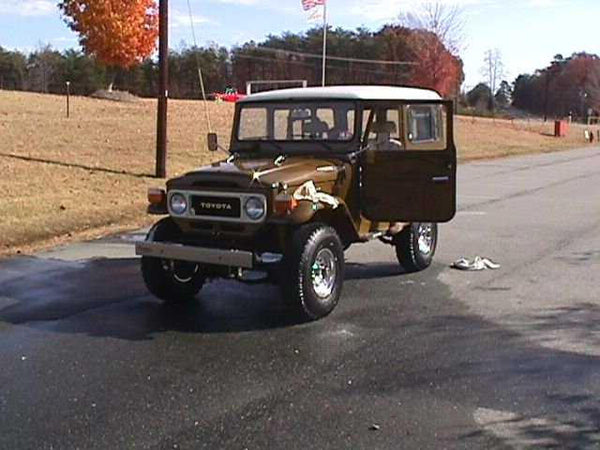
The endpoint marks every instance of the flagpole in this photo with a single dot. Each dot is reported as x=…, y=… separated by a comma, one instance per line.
x=324, y=40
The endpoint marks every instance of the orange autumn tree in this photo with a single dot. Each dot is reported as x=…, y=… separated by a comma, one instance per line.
x=119, y=33
x=437, y=68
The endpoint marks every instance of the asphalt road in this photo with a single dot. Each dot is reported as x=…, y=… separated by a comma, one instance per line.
x=441, y=359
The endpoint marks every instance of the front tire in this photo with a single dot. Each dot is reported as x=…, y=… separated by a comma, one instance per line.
x=314, y=271
x=168, y=280
x=415, y=246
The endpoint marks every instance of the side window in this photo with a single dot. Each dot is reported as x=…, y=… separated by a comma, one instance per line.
x=348, y=133
x=384, y=127
x=425, y=124
x=393, y=116
x=387, y=120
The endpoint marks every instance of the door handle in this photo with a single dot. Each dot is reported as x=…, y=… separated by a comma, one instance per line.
x=440, y=180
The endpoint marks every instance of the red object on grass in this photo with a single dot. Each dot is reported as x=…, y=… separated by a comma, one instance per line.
x=560, y=128
x=230, y=96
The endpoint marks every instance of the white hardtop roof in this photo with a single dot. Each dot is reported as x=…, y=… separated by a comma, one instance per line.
x=345, y=93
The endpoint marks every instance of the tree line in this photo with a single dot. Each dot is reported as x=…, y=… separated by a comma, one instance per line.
x=567, y=87
x=47, y=70
x=407, y=57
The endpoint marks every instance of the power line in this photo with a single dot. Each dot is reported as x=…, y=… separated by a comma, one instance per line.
x=336, y=58
x=304, y=64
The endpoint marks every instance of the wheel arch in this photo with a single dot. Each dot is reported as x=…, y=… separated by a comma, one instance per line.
x=163, y=226
x=341, y=221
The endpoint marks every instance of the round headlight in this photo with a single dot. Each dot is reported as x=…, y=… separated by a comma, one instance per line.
x=178, y=204
x=255, y=208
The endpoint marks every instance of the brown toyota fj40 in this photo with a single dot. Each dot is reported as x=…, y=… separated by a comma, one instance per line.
x=310, y=172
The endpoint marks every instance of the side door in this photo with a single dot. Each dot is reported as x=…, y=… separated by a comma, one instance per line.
x=414, y=181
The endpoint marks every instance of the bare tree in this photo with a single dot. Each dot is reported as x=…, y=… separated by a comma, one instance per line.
x=493, y=69
x=443, y=20
x=42, y=65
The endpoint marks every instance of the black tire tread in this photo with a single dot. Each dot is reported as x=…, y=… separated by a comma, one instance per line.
x=159, y=283
x=298, y=256
x=407, y=252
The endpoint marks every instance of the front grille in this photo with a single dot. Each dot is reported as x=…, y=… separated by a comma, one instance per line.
x=211, y=206
x=218, y=207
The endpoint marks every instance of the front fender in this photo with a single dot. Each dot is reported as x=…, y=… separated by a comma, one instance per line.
x=339, y=218
x=304, y=212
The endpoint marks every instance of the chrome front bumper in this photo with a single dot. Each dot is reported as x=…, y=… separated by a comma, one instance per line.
x=214, y=256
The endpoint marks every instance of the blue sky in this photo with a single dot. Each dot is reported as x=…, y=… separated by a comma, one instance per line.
x=528, y=33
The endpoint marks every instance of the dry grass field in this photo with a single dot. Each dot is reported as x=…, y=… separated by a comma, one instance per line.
x=483, y=138
x=87, y=175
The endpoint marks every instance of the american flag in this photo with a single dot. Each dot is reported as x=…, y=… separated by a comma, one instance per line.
x=310, y=4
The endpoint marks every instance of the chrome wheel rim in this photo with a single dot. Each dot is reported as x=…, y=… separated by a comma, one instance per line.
x=425, y=238
x=324, y=273
x=182, y=271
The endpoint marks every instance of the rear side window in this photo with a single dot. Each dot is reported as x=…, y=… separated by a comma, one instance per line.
x=424, y=124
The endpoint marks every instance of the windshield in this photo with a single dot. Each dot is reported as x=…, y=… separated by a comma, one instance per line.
x=298, y=121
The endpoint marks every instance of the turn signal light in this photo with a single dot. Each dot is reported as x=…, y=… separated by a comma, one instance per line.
x=157, y=196
x=285, y=204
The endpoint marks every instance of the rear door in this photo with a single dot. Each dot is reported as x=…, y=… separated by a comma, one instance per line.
x=414, y=180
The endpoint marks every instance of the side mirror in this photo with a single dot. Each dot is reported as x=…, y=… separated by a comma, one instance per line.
x=213, y=142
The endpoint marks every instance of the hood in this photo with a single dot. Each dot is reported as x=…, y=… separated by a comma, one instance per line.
x=244, y=173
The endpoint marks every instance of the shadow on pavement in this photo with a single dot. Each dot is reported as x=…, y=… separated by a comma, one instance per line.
x=370, y=271
x=411, y=345
x=527, y=432
x=522, y=396
x=106, y=297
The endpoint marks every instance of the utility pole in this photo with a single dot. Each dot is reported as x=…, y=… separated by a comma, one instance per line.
x=546, y=96
x=323, y=69
x=163, y=86
x=68, y=83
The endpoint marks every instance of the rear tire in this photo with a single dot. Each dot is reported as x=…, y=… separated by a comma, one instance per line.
x=314, y=271
x=168, y=280
x=415, y=246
